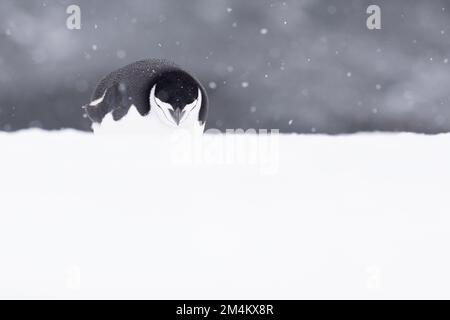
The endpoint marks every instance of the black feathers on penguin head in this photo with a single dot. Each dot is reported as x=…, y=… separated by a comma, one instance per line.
x=151, y=86
x=175, y=95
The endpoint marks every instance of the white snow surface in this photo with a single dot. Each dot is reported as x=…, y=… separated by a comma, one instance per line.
x=357, y=216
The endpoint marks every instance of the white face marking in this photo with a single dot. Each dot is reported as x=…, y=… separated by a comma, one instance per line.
x=99, y=100
x=164, y=105
x=195, y=105
x=163, y=109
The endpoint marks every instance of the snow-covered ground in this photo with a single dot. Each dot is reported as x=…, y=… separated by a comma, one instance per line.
x=360, y=216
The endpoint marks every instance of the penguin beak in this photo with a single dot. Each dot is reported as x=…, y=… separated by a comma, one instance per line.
x=176, y=116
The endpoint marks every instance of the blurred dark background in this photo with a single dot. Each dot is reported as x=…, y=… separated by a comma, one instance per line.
x=296, y=65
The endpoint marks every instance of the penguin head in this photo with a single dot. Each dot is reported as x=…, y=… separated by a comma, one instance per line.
x=176, y=97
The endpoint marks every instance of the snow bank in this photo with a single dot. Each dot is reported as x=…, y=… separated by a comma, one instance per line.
x=362, y=216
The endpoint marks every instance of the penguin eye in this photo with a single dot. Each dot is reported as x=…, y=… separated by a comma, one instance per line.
x=163, y=104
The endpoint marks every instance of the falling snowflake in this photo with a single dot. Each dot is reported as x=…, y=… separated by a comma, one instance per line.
x=121, y=54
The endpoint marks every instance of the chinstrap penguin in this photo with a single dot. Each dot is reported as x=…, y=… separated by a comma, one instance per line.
x=152, y=96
